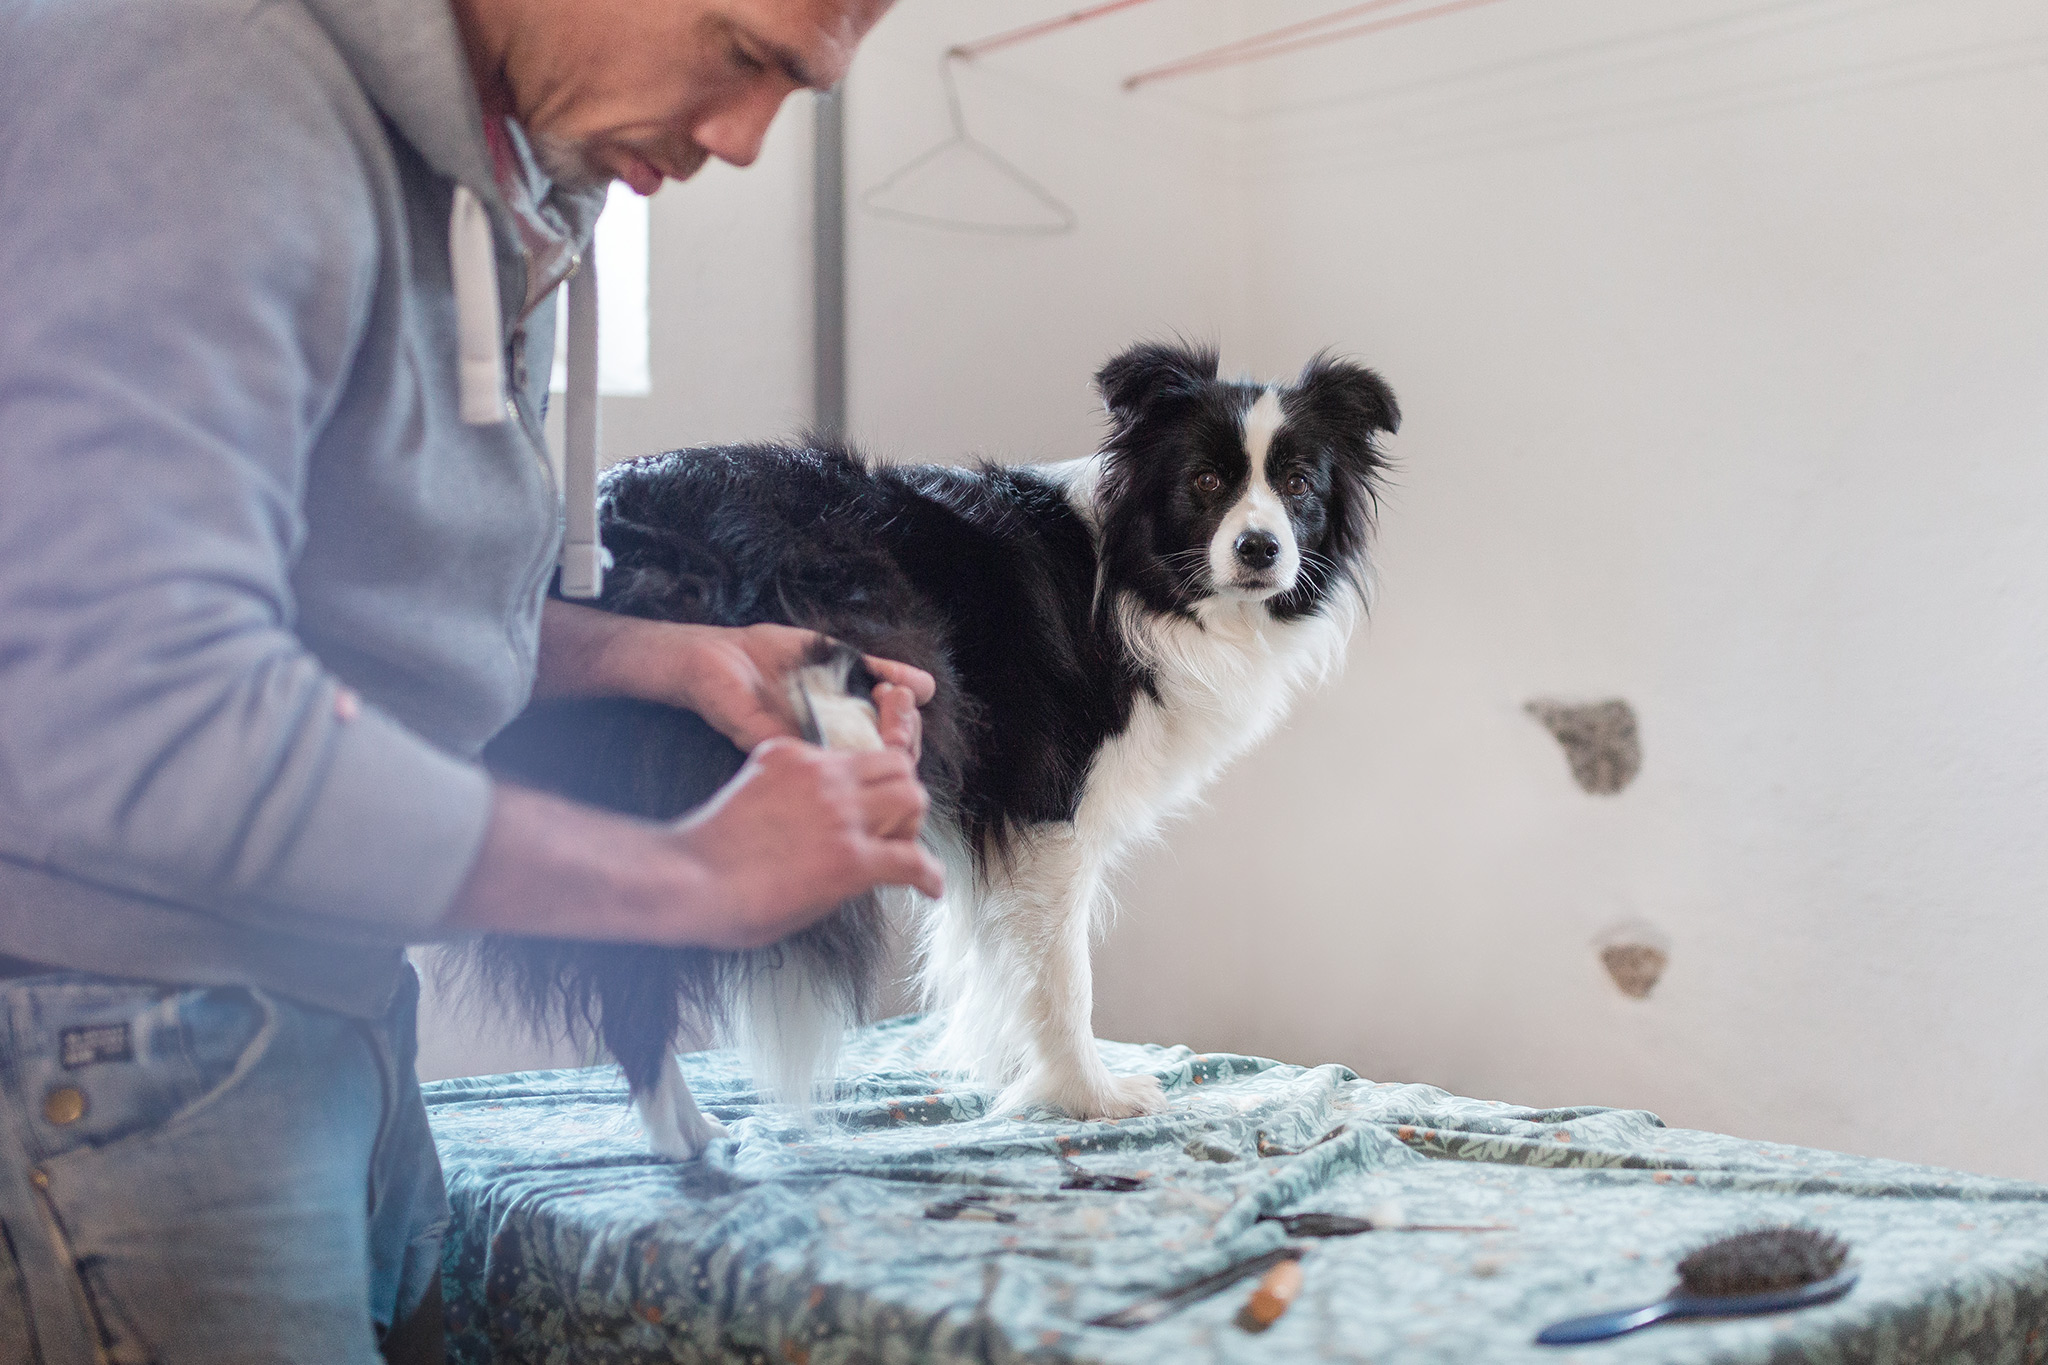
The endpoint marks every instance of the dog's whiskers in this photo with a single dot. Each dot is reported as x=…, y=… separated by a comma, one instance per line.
x=1319, y=561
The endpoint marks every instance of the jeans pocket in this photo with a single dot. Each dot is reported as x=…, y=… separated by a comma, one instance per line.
x=99, y=1062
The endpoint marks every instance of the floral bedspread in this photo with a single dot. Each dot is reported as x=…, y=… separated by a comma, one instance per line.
x=912, y=1224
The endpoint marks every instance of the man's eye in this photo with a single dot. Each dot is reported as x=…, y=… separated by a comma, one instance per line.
x=746, y=61
x=1297, y=486
x=1208, y=482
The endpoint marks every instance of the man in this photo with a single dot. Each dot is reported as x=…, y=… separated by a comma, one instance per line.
x=272, y=569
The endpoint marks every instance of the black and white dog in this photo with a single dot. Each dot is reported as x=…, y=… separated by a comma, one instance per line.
x=1106, y=634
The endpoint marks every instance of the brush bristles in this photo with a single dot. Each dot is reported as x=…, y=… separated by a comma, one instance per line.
x=1762, y=1261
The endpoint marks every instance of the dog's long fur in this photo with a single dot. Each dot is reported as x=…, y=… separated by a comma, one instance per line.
x=1106, y=635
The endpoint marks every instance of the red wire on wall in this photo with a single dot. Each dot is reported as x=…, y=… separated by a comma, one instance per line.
x=1278, y=41
x=1258, y=40
x=969, y=51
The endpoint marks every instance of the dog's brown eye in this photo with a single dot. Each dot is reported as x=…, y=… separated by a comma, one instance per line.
x=1297, y=486
x=1208, y=482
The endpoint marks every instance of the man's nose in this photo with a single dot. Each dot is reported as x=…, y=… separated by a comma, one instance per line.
x=1257, y=549
x=734, y=134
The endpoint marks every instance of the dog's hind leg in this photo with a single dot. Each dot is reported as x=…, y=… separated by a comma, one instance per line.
x=798, y=998
x=792, y=1014
x=676, y=1128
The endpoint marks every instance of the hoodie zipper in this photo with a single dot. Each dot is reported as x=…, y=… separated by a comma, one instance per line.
x=474, y=262
x=532, y=426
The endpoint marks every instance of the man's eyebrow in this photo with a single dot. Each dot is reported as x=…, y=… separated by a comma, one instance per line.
x=794, y=68
x=786, y=60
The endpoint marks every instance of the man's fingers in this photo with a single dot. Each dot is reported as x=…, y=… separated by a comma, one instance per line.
x=897, y=718
x=782, y=749
x=894, y=810
x=865, y=767
x=894, y=792
x=870, y=766
x=751, y=733
x=900, y=862
x=921, y=684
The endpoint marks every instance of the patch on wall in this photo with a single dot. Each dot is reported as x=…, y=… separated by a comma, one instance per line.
x=1600, y=741
x=1635, y=955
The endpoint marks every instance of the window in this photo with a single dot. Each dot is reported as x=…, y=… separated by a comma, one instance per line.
x=622, y=329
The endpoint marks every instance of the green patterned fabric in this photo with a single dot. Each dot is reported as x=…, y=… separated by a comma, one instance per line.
x=814, y=1246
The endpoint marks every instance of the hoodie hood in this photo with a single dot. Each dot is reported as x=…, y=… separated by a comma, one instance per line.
x=410, y=60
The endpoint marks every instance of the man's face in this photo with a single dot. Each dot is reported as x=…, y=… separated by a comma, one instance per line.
x=646, y=90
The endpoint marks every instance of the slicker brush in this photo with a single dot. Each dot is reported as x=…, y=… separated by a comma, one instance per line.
x=1764, y=1270
x=1762, y=1261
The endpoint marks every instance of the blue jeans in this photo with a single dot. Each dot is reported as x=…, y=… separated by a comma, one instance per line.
x=207, y=1175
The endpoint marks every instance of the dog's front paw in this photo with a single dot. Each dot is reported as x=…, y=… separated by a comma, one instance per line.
x=1095, y=1097
x=1130, y=1096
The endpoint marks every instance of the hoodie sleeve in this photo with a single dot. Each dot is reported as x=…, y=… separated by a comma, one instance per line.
x=188, y=253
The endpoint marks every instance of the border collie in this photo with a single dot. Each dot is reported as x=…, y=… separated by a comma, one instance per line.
x=1106, y=635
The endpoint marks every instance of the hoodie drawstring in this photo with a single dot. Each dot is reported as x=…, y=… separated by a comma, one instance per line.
x=583, y=556
x=472, y=264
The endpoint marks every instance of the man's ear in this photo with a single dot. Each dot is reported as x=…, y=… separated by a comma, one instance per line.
x=1345, y=395
x=1132, y=381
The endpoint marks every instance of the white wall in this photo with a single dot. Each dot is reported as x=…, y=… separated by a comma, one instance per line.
x=963, y=343
x=730, y=301
x=1721, y=330
x=1723, y=360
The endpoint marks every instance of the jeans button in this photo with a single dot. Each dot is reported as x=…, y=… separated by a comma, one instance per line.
x=65, y=1104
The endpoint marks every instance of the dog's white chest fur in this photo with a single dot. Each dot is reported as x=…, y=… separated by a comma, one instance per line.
x=1223, y=685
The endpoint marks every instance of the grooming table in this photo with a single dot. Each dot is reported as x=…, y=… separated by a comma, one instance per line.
x=820, y=1247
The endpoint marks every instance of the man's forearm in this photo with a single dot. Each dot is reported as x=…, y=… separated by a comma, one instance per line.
x=586, y=652
x=554, y=869
x=793, y=835
x=582, y=651
x=732, y=676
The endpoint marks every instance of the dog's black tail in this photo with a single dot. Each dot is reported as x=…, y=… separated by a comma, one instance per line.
x=636, y=758
x=787, y=1005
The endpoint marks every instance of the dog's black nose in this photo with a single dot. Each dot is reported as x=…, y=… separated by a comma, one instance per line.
x=1257, y=549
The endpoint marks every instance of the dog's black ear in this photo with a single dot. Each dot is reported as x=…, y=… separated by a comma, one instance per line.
x=1347, y=395
x=1134, y=379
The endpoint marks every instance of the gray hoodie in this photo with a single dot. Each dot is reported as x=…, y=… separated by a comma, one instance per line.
x=237, y=492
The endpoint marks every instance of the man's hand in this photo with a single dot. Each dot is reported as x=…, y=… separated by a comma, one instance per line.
x=859, y=814
x=796, y=832
x=734, y=679
x=731, y=676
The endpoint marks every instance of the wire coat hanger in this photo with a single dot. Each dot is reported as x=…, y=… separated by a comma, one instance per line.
x=1062, y=219
x=962, y=142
